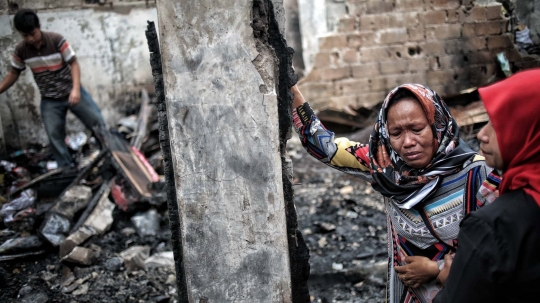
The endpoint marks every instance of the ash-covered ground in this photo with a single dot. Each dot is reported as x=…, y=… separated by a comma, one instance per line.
x=341, y=218
x=344, y=224
x=43, y=278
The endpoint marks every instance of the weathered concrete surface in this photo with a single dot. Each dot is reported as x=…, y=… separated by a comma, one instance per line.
x=223, y=133
x=111, y=49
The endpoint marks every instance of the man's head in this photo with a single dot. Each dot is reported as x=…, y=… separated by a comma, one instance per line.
x=27, y=23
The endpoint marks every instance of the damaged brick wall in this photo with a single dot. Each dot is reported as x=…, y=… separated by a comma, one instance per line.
x=449, y=45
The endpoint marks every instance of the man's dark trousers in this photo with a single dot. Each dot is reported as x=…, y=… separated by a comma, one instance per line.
x=53, y=114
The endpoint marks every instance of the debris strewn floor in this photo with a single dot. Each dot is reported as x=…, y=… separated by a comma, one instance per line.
x=97, y=232
x=100, y=233
x=344, y=224
x=341, y=218
x=109, y=279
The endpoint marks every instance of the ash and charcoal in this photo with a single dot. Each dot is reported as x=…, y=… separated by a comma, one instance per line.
x=94, y=233
x=344, y=224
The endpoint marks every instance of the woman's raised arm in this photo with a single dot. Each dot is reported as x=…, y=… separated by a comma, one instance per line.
x=345, y=155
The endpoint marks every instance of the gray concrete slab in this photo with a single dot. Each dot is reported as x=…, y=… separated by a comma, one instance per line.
x=221, y=100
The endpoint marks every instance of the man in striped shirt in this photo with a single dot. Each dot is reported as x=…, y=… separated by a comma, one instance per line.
x=57, y=74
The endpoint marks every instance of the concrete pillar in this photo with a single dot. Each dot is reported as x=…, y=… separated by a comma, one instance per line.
x=3, y=151
x=225, y=70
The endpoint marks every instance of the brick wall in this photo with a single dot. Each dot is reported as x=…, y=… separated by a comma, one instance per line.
x=448, y=45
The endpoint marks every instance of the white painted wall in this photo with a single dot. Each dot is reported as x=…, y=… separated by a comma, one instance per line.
x=313, y=25
x=112, y=51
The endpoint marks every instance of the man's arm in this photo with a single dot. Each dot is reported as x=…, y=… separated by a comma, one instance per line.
x=9, y=79
x=75, y=95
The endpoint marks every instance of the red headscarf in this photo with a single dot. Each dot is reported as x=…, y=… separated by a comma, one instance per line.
x=513, y=106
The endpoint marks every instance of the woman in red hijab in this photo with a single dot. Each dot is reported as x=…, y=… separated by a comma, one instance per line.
x=498, y=259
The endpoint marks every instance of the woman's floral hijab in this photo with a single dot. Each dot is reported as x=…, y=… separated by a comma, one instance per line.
x=408, y=186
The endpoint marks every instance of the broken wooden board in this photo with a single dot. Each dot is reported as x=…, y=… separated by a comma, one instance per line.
x=34, y=182
x=129, y=164
x=345, y=118
x=134, y=171
x=142, y=121
x=471, y=114
x=463, y=106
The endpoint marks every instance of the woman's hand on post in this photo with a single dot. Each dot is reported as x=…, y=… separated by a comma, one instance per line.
x=418, y=271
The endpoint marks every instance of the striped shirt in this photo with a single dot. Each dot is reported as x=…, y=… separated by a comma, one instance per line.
x=49, y=64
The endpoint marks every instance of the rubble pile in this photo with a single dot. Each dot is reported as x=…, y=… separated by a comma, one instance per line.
x=96, y=232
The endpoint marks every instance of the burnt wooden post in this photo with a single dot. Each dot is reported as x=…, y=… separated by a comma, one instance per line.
x=222, y=80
